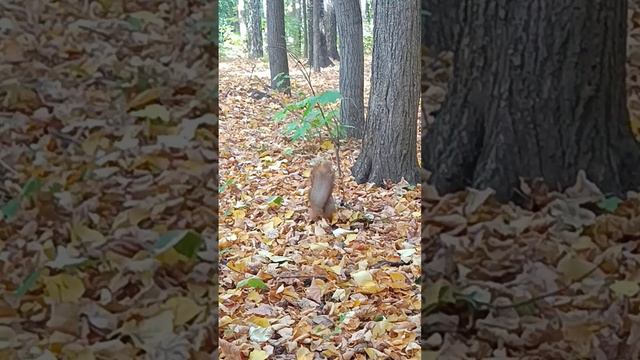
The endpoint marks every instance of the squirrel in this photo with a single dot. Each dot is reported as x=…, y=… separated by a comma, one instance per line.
x=321, y=201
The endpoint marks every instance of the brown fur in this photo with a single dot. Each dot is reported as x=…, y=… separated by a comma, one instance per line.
x=321, y=201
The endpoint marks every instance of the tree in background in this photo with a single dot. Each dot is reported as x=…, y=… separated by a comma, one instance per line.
x=305, y=30
x=331, y=30
x=242, y=21
x=349, y=28
x=254, y=24
x=277, y=46
x=546, y=99
x=389, y=142
x=310, y=37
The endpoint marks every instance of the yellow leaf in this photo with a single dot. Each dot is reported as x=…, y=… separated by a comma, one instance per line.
x=153, y=111
x=147, y=16
x=362, y=277
x=153, y=330
x=380, y=328
x=136, y=215
x=304, y=354
x=625, y=288
x=225, y=320
x=64, y=287
x=238, y=266
x=350, y=237
x=93, y=141
x=239, y=214
x=254, y=296
x=145, y=97
x=184, y=309
x=171, y=257
x=365, y=282
x=258, y=355
x=86, y=235
x=260, y=321
x=573, y=268
x=327, y=145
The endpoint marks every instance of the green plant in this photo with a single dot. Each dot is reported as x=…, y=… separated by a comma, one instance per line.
x=312, y=118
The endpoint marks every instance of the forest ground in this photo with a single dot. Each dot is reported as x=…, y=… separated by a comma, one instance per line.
x=352, y=290
x=555, y=279
x=107, y=146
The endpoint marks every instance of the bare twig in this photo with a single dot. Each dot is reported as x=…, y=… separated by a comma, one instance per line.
x=8, y=167
x=543, y=296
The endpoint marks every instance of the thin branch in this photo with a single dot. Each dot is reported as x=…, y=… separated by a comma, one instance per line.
x=543, y=296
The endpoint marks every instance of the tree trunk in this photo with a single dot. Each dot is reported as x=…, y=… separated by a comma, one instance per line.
x=389, y=143
x=242, y=21
x=331, y=30
x=349, y=24
x=310, y=35
x=277, y=46
x=441, y=24
x=538, y=91
x=317, y=35
x=297, y=33
x=254, y=24
x=305, y=27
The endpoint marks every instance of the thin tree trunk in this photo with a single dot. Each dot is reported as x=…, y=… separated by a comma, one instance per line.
x=310, y=35
x=536, y=105
x=317, y=35
x=242, y=22
x=389, y=146
x=277, y=46
x=349, y=24
x=303, y=11
x=297, y=43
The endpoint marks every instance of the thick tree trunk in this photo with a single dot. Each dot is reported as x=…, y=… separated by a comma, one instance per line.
x=349, y=24
x=277, y=46
x=441, y=24
x=331, y=30
x=254, y=24
x=389, y=143
x=538, y=91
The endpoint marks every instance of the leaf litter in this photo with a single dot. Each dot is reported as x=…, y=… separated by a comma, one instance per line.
x=555, y=278
x=290, y=288
x=107, y=180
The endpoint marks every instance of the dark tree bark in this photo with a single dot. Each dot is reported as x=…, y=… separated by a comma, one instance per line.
x=320, y=56
x=389, y=143
x=538, y=91
x=349, y=24
x=317, y=35
x=254, y=26
x=277, y=46
x=441, y=24
x=331, y=30
x=310, y=36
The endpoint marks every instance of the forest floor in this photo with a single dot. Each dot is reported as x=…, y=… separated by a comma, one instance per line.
x=555, y=279
x=107, y=180
x=348, y=288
